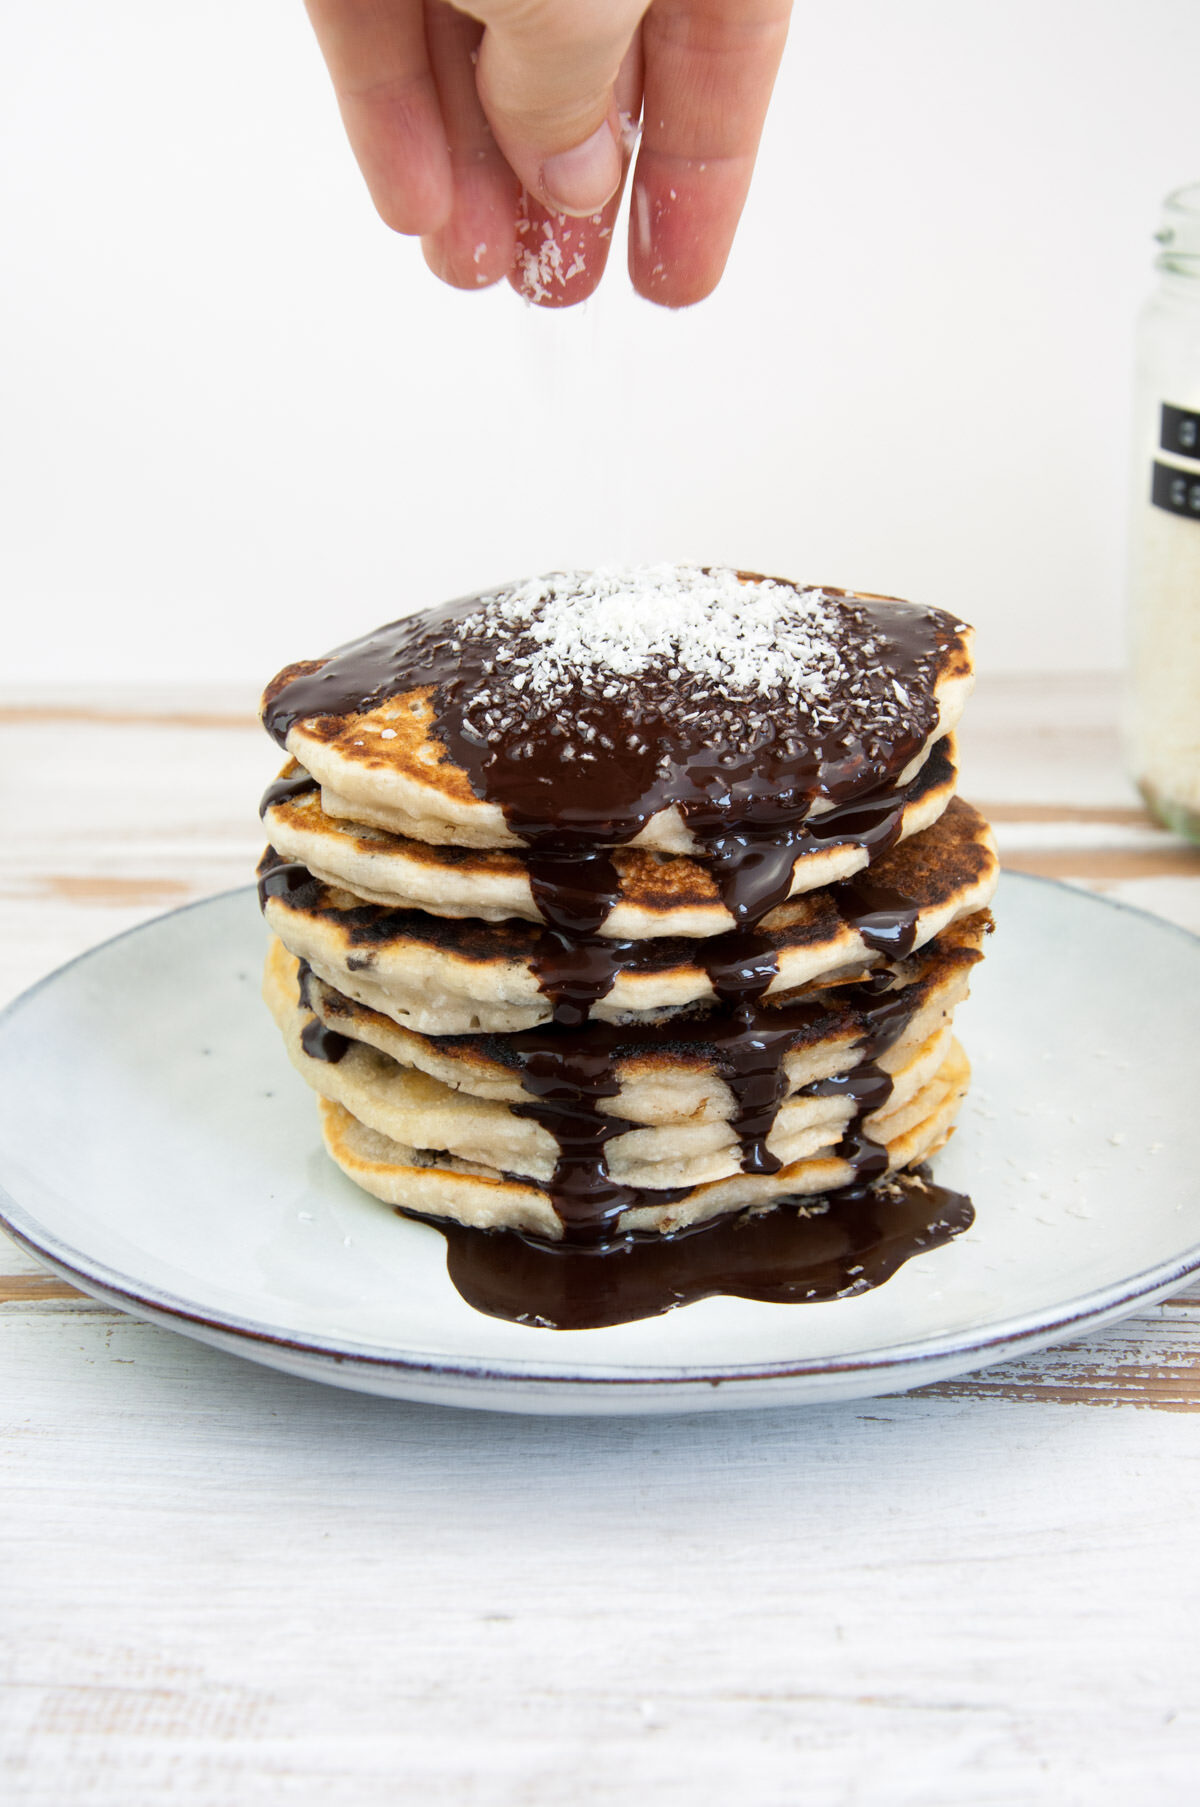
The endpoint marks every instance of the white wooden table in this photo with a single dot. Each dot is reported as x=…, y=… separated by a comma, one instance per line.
x=220, y=1585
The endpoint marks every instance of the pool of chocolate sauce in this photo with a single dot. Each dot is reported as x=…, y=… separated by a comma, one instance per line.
x=780, y=1257
x=579, y=780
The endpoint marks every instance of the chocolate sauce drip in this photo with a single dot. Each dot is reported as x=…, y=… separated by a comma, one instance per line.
x=278, y=877
x=284, y=789
x=753, y=1039
x=569, y=1076
x=868, y=1158
x=575, y=974
x=304, y=979
x=322, y=1043
x=779, y=1257
x=868, y=1087
x=574, y=892
x=885, y=918
x=317, y=1040
x=754, y=873
x=753, y=876
x=741, y=966
x=751, y=1063
x=888, y=1009
x=888, y=1015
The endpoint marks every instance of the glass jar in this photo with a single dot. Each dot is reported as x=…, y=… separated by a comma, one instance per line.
x=1164, y=699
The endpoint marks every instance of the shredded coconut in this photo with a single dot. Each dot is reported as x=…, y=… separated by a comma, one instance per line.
x=749, y=656
x=751, y=639
x=543, y=249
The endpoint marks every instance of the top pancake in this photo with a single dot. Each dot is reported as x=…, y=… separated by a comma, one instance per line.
x=658, y=708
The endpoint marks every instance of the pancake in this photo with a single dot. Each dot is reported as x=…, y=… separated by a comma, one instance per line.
x=659, y=893
x=477, y=1194
x=440, y=977
x=655, y=707
x=677, y=1070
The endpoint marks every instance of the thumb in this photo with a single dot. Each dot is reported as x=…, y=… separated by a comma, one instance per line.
x=545, y=76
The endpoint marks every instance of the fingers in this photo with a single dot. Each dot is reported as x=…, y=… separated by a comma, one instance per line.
x=445, y=142
x=710, y=68
x=546, y=74
x=476, y=245
x=377, y=57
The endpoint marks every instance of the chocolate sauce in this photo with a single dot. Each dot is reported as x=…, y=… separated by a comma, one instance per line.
x=586, y=767
x=885, y=918
x=318, y=1041
x=868, y=1088
x=741, y=966
x=569, y=1076
x=573, y=892
x=779, y=1257
x=592, y=770
x=575, y=974
x=754, y=873
x=304, y=984
x=751, y=1063
x=284, y=789
x=322, y=1043
x=576, y=968
x=278, y=877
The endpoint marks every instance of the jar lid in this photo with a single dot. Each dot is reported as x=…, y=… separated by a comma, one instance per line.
x=1179, y=232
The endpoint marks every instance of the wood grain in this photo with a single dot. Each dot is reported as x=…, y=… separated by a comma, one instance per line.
x=21, y=1288
x=47, y=715
x=1104, y=863
x=1100, y=815
x=1150, y=1360
x=109, y=888
x=236, y=1587
x=223, y=1585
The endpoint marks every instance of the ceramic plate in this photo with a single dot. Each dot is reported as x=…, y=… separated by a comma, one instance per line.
x=157, y=1149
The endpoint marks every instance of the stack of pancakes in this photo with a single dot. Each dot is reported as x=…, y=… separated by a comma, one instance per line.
x=619, y=901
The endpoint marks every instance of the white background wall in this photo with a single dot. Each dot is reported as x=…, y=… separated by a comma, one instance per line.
x=240, y=422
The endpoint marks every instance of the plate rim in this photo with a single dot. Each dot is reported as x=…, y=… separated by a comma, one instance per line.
x=1000, y=1338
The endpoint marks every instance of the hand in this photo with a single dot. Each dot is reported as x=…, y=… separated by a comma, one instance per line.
x=501, y=132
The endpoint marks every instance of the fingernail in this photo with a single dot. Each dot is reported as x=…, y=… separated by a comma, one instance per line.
x=583, y=179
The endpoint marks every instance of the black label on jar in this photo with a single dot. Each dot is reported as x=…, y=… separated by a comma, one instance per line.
x=1175, y=490
x=1180, y=432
